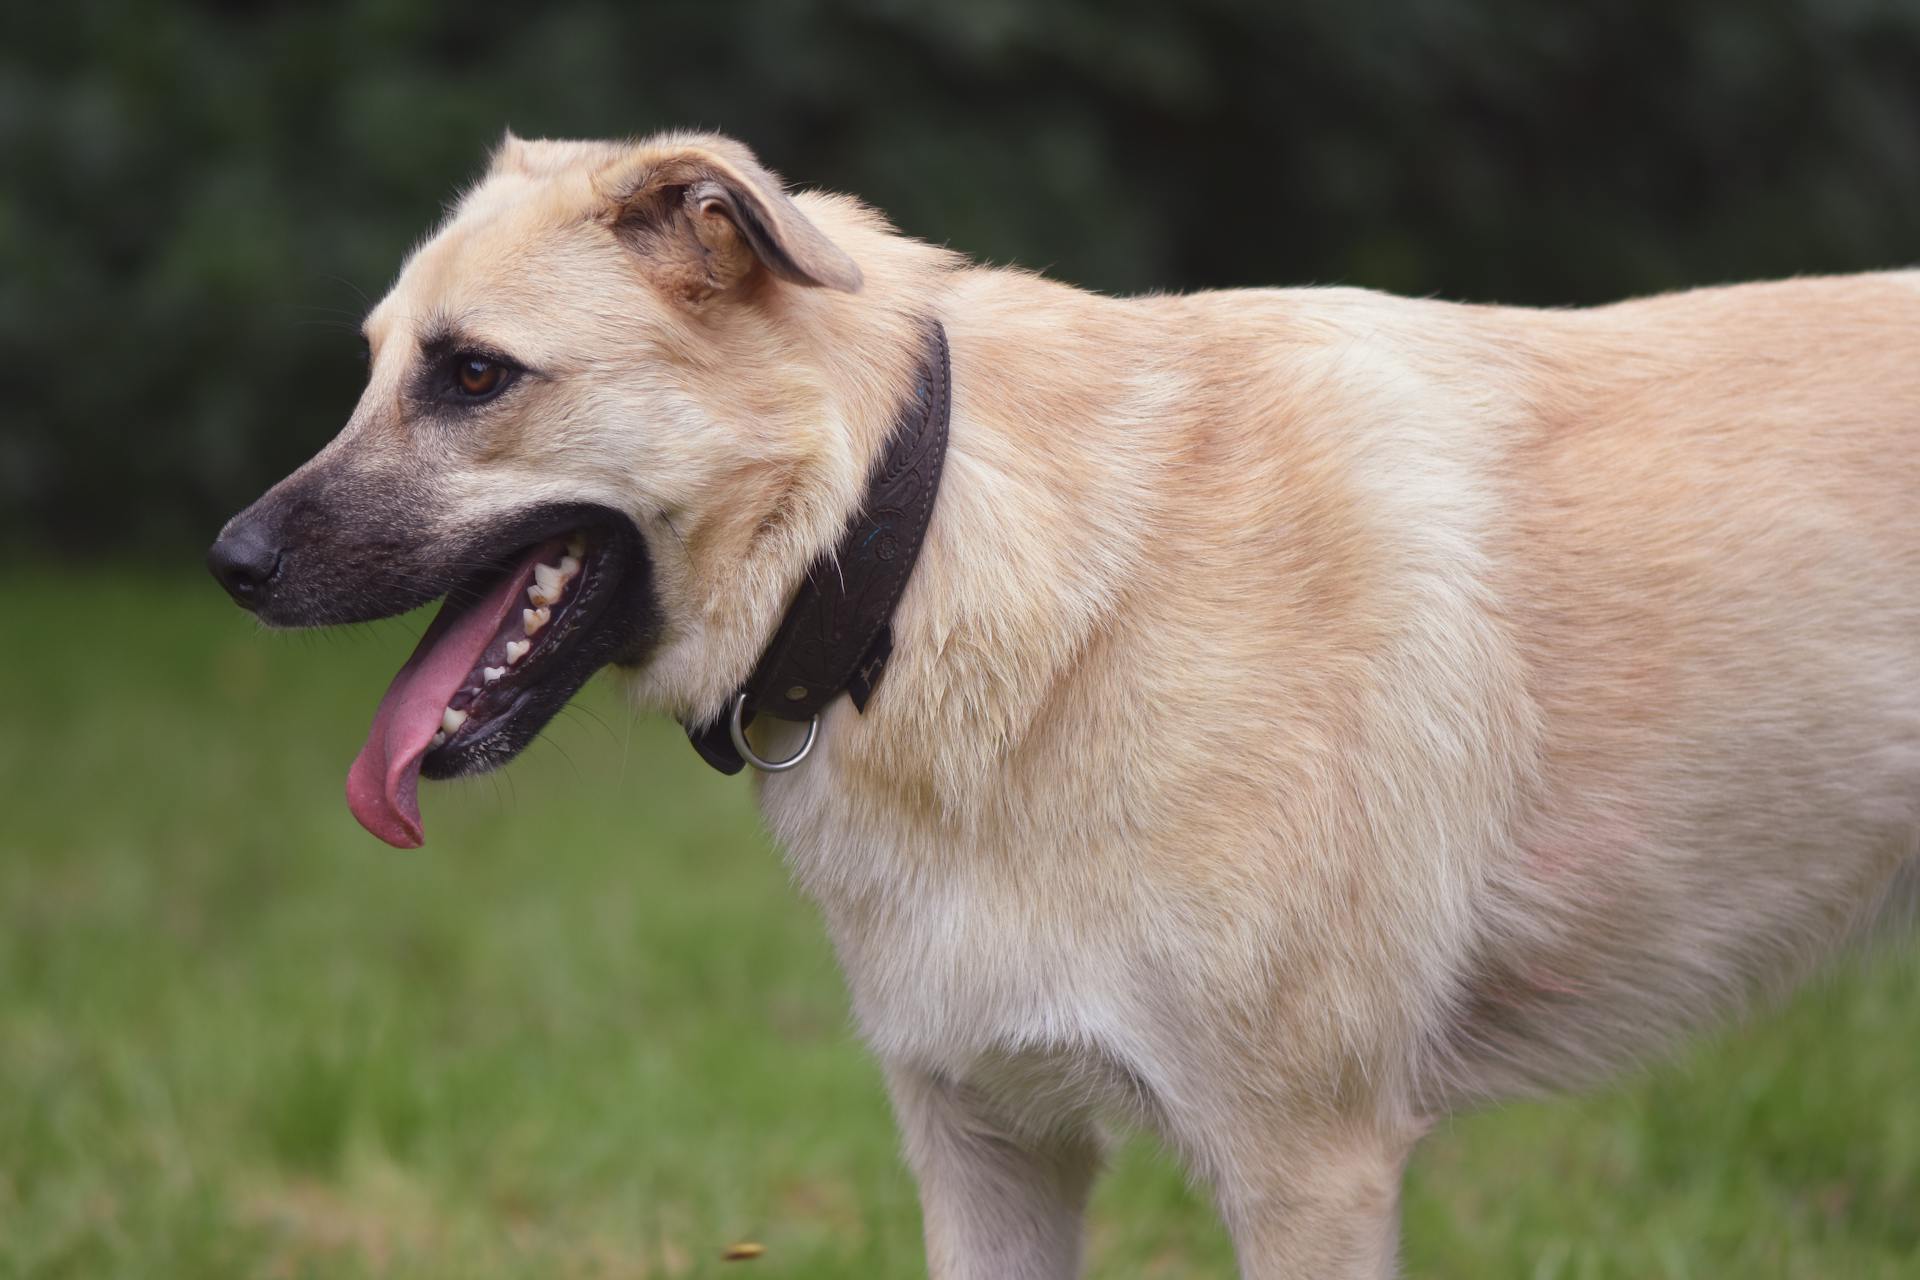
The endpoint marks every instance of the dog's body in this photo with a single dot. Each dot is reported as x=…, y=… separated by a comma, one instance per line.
x=1319, y=710
x=1312, y=710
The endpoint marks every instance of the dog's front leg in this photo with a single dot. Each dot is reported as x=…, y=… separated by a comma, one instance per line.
x=1341, y=1224
x=1001, y=1199
x=1313, y=1201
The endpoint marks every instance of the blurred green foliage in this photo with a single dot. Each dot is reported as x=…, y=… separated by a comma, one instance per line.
x=194, y=202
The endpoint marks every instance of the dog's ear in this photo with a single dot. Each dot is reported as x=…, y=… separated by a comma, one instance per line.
x=709, y=218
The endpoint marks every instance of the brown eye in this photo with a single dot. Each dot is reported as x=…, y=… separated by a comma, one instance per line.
x=479, y=376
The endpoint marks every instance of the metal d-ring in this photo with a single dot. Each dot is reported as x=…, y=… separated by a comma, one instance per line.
x=738, y=733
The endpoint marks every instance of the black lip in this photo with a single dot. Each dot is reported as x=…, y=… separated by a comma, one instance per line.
x=614, y=620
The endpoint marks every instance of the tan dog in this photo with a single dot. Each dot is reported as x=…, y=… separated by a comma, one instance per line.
x=1312, y=710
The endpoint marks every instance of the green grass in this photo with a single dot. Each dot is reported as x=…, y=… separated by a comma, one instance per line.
x=590, y=1031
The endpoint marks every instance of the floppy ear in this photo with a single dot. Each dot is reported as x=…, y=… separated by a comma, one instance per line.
x=710, y=218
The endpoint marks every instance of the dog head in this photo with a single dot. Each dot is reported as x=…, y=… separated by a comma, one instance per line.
x=600, y=420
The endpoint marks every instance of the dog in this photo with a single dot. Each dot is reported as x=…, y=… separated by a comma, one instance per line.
x=1310, y=711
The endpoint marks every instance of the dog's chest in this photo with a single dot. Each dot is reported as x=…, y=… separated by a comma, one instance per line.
x=958, y=947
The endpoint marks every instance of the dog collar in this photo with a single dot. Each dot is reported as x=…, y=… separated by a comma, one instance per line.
x=837, y=634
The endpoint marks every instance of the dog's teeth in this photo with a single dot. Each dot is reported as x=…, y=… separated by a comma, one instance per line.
x=439, y=740
x=549, y=582
x=490, y=674
x=451, y=720
x=576, y=546
x=534, y=619
x=517, y=649
x=569, y=565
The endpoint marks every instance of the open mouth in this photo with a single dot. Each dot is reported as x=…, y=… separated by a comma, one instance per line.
x=505, y=653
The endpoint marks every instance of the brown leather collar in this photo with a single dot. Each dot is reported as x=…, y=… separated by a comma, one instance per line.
x=836, y=636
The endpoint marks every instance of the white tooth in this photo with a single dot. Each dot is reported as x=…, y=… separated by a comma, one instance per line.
x=439, y=740
x=534, y=619
x=576, y=546
x=451, y=720
x=569, y=565
x=490, y=674
x=548, y=584
x=517, y=649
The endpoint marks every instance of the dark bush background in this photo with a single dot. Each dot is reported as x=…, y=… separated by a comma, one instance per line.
x=195, y=203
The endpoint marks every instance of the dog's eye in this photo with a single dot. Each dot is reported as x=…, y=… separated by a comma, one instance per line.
x=457, y=377
x=477, y=377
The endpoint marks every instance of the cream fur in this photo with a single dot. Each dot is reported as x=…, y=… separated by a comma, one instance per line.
x=1313, y=710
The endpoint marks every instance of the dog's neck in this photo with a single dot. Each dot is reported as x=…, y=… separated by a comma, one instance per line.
x=1037, y=424
x=837, y=637
x=817, y=386
x=990, y=634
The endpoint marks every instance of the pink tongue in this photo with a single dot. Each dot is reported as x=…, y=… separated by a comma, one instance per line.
x=382, y=785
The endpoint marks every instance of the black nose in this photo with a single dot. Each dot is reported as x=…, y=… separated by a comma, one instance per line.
x=243, y=559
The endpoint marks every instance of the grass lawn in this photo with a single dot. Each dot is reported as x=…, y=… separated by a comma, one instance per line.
x=590, y=1031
